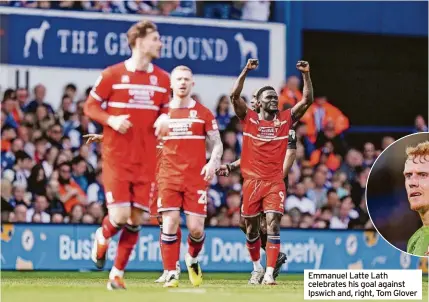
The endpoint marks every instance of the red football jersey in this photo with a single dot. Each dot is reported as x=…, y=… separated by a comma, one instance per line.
x=144, y=95
x=184, y=150
x=264, y=146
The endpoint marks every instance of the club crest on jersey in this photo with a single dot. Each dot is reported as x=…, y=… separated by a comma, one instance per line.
x=125, y=79
x=153, y=80
x=193, y=114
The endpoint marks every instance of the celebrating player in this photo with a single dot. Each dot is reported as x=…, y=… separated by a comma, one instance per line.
x=416, y=172
x=265, y=138
x=226, y=169
x=136, y=94
x=184, y=175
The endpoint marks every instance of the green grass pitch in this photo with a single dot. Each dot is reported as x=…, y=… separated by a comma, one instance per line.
x=91, y=287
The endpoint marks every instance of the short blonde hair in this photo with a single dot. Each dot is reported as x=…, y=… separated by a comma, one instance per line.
x=421, y=149
x=181, y=67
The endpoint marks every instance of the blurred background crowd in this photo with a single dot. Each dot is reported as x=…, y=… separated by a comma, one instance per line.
x=232, y=10
x=49, y=174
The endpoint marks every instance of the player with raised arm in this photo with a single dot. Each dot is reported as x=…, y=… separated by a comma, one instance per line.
x=136, y=94
x=184, y=174
x=265, y=139
x=226, y=169
x=416, y=173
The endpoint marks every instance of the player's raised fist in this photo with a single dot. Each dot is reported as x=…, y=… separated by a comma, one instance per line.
x=303, y=66
x=252, y=64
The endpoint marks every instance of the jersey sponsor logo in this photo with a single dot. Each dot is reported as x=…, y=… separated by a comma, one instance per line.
x=153, y=79
x=267, y=132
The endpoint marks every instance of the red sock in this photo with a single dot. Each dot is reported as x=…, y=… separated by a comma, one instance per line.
x=272, y=250
x=195, y=245
x=169, y=251
x=254, y=248
x=179, y=241
x=109, y=229
x=127, y=241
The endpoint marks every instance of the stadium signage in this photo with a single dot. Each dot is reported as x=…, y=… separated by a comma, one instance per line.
x=90, y=43
x=68, y=247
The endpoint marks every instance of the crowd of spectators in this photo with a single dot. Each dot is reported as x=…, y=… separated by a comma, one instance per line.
x=237, y=10
x=49, y=174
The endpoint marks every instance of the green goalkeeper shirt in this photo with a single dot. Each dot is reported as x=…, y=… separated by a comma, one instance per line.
x=419, y=243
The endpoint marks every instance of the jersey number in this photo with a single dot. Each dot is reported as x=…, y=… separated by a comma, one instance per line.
x=282, y=196
x=203, y=197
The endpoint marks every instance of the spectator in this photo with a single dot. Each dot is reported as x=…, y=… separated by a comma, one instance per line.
x=286, y=221
x=233, y=201
x=66, y=109
x=76, y=214
x=55, y=134
x=307, y=221
x=20, y=196
x=354, y=159
x=369, y=156
x=49, y=161
x=44, y=4
x=56, y=206
x=223, y=116
x=95, y=209
x=217, y=9
x=19, y=214
x=22, y=97
x=40, y=206
x=319, y=114
x=39, y=99
x=319, y=193
x=386, y=142
x=326, y=156
x=290, y=93
x=70, y=192
x=96, y=190
x=37, y=181
x=420, y=124
x=345, y=213
x=299, y=201
x=22, y=168
x=78, y=172
x=329, y=135
x=88, y=219
x=256, y=11
x=57, y=218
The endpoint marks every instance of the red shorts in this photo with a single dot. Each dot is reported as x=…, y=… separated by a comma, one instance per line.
x=153, y=205
x=124, y=188
x=192, y=198
x=262, y=196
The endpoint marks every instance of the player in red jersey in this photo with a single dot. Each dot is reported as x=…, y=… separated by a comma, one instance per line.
x=225, y=170
x=184, y=174
x=265, y=139
x=136, y=94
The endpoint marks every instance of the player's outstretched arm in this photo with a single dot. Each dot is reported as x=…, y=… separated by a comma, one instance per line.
x=307, y=99
x=224, y=170
x=210, y=168
x=93, y=138
x=240, y=106
x=290, y=153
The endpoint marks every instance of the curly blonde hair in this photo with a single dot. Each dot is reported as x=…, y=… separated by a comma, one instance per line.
x=421, y=150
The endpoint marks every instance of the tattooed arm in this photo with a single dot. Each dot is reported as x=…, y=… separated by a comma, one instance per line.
x=216, y=155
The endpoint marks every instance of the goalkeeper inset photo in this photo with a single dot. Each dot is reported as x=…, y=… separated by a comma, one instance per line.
x=397, y=194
